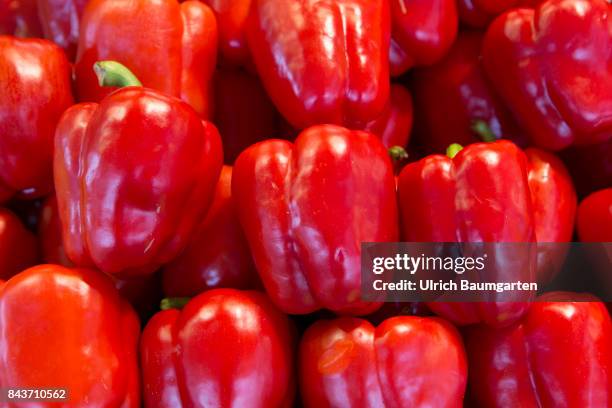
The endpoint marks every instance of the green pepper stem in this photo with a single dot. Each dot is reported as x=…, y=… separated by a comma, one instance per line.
x=453, y=150
x=397, y=153
x=112, y=73
x=174, y=303
x=483, y=131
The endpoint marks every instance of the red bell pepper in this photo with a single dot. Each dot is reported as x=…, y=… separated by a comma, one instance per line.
x=590, y=166
x=19, y=18
x=244, y=113
x=557, y=81
x=222, y=262
x=231, y=18
x=226, y=348
x=68, y=328
x=18, y=246
x=404, y=362
x=170, y=47
x=480, y=195
x=311, y=204
x=553, y=208
x=595, y=217
x=454, y=100
x=395, y=124
x=60, y=20
x=423, y=31
x=35, y=88
x=558, y=355
x=323, y=62
x=134, y=176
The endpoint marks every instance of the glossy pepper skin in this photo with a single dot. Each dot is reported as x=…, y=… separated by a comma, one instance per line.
x=454, y=95
x=134, y=176
x=231, y=18
x=218, y=255
x=595, y=217
x=395, y=123
x=18, y=246
x=322, y=61
x=170, y=47
x=558, y=355
x=405, y=362
x=60, y=21
x=557, y=82
x=226, y=348
x=302, y=194
x=69, y=328
x=19, y=18
x=473, y=200
x=422, y=32
x=244, y=114
x=35, y=89
x=554, y=205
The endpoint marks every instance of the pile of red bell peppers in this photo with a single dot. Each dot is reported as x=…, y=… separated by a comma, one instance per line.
x=185, y=187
